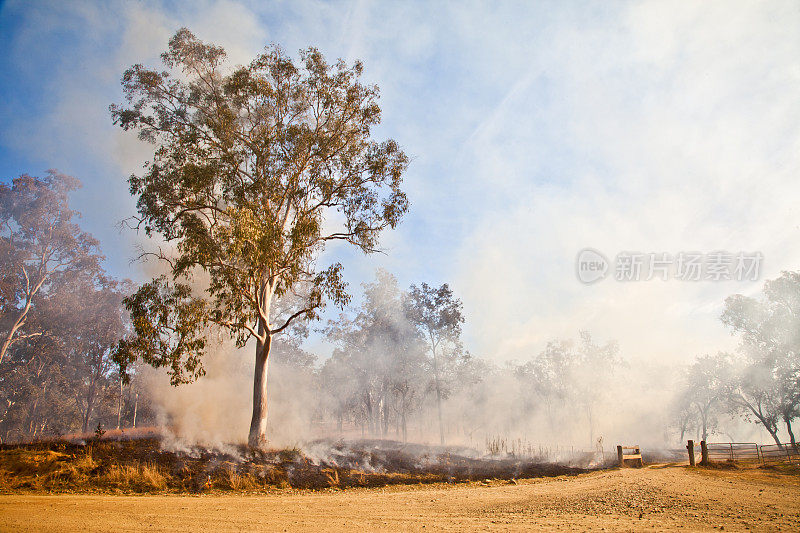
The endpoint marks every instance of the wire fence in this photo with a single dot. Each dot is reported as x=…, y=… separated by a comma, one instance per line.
x=742, y=452
x=773, y=453
x=733, y=451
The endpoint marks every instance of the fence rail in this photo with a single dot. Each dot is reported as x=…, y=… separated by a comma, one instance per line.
x=733, y=451
x=742, y=452
x=772, y=453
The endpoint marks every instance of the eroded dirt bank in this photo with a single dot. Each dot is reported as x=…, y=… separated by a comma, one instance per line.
x=660, y=497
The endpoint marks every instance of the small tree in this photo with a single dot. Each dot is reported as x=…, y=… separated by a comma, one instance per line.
x=40, y=247
x=256, y=170
x=383, y=354
x=436, y=313
x=705, y=385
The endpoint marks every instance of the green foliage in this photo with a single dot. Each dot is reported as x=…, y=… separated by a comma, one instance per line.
x=169, y=327
x=436, y=311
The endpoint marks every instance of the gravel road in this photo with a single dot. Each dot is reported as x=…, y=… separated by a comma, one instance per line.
x=659, y=497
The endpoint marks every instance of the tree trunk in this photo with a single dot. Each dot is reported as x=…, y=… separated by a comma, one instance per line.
x=32, y=418
x=405, y=428
x=438, y=394
x=705, y=426
x=6, y=343
x=368, y=408
x=119, y=405
x=89, y=406
x=773, y=430
x=376, y=417
x=17, y=324
x=258, y=424
x=385, y=413
x=135, y=408
x=788, y=421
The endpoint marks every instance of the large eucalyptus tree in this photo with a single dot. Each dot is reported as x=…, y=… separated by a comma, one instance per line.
x=255, y=170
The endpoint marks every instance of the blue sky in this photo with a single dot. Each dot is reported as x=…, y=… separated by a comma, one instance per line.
x=535, y=128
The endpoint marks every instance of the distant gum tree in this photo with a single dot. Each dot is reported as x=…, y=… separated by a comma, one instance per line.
x=256, y=169
x=437, y=315
x=41, y=247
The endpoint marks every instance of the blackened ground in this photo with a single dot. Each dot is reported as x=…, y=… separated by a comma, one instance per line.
x=146, y=465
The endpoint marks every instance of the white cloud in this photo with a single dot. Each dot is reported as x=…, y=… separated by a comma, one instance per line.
x=682, y=131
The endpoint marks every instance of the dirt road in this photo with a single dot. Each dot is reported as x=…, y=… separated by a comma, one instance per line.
x=653, y=498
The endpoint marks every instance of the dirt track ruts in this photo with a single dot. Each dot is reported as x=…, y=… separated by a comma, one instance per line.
x=660, y=497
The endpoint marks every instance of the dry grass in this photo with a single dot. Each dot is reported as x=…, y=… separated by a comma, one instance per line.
x=233, y=480
x=142, y=477
x=48, y=470
x=43, y=469
x=142, y=466
x=333, y=477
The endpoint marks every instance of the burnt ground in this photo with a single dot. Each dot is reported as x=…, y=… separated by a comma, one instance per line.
x=146, y=465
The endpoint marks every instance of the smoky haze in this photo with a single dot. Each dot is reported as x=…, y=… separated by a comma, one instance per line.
x=582, y=392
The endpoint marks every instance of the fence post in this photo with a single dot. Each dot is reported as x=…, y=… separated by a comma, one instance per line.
x=703, y=453
x=619, y=456
x=690, y=448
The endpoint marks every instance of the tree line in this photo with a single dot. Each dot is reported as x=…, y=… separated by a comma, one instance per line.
x=398, y=358
x=399, y=361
